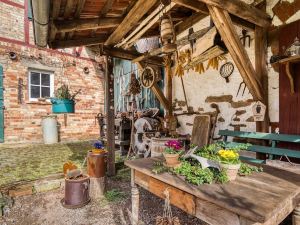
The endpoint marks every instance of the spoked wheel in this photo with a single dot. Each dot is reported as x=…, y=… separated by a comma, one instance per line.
x=148, y=77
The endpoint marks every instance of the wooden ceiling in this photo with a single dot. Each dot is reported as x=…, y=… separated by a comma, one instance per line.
x=109, y=22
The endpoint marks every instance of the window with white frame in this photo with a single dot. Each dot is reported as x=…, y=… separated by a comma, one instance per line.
x=41, y=84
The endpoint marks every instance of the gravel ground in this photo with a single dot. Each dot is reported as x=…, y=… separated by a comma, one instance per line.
x=45, y=208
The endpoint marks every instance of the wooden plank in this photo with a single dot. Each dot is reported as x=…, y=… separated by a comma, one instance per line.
x=78, y=42
x=110, y=115
x=238, y=53
x=242, y=10
x=86, y=24
x=107, y=6
x=54, y=15
x=248, y=202
x=68, y=8
x=140, y=8
x=201, y=130
x=194, y=5
x=141, y=25
x=180, y=199
x=79, y=8
x=169, y=86
x=129, y=55
x=141, y=179
x=147, y=55
x=215, y=215
x=148, y=25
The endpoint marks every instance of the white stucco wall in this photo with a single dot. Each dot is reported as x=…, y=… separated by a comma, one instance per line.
x=199, y=86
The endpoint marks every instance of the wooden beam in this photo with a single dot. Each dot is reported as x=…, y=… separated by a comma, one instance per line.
x=54, y=15
x=190, y=21
x=110, y=115
x=260, y=35
x=169, y=86
x=147, y=55
x=86, y=24
x=107, y=6
x=140, y=8
x=203, y=10
x=147, y=26
x=79, y=8
x=129, y=55
x=238, y=53
x=78, y=42
x=242, y=10
x=68, y=8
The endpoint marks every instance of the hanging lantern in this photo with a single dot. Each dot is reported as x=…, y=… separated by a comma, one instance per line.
x=167, y=34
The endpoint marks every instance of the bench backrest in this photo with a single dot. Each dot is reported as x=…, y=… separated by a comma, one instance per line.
x=274, y=138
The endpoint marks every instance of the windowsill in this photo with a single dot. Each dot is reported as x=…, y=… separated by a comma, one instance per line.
x=39, y=102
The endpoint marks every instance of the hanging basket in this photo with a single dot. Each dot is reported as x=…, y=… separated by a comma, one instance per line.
x=62, y=105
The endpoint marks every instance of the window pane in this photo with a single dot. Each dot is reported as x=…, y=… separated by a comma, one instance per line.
x=45, y=79
x=35, y=91
x=35, y=78
x=45, y=92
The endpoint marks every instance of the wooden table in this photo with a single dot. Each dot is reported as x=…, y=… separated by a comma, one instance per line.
x=261, y=198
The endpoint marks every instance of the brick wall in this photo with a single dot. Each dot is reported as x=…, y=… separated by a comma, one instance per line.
x=22, y=121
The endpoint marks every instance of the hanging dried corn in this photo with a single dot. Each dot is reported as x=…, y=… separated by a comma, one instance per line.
x=214, y=62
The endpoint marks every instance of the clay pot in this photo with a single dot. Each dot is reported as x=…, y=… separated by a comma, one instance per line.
x=171, y=159
x=231, y=170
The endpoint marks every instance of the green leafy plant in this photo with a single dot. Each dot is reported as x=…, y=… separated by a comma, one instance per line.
x=247, y=169
x=63, y=92
x=114, y=195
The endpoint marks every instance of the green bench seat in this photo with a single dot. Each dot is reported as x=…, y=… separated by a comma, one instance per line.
x=270, y=151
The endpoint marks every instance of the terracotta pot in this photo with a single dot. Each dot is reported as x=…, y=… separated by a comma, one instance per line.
x=171, y=159
x=231, y=170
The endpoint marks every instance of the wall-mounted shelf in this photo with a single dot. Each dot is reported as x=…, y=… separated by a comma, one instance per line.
x=287, y=62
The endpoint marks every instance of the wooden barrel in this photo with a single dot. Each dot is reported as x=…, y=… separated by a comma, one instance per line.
x=166, y=31
x=158, y=146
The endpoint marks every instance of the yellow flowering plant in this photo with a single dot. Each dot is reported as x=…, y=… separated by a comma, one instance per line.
x=228, y=156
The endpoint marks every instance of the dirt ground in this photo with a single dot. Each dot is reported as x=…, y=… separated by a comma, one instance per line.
x=46, y=209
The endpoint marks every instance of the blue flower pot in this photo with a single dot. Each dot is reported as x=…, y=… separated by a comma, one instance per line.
x=62, y=105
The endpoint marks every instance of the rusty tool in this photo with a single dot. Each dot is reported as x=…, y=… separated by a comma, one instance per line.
x=245, y=37
x=242, y=84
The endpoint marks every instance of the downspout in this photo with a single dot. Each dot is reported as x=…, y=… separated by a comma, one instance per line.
x=40, y=15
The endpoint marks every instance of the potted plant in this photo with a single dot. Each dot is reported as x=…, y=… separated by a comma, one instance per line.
x=64, y=100
x=98, y=148
x=229, y=160
x=172, y=152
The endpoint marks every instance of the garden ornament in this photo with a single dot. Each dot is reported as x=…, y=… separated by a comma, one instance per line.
x=205, y=163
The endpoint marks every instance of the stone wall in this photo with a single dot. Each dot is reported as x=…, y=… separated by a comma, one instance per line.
x=22, y=121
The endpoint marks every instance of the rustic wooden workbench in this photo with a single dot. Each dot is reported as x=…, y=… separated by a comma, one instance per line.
x=261, y=198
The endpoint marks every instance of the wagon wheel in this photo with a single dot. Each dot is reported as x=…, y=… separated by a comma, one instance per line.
x=148, y=77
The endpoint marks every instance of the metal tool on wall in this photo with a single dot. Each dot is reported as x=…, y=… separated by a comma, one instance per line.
x=226, y=70
x=245, y=37
x=242, y=88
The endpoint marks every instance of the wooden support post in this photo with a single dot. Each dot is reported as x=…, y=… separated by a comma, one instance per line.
x=110, y=114
x=135, y=200
x=168, y=77
x=261, y=72
x=296, y=215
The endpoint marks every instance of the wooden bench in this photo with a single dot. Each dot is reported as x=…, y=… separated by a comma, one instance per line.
x=270, y=151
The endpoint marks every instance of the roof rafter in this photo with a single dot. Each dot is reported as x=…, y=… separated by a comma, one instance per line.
x=140, y=8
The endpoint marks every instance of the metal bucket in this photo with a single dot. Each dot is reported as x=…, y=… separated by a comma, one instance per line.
x=76, y=192
x=96, y=164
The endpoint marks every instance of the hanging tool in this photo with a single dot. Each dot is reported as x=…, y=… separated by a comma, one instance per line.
x=226, y=70
x=242, y=84
x=245, y=37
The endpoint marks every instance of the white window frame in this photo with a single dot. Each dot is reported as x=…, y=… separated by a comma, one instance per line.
x=40, y=72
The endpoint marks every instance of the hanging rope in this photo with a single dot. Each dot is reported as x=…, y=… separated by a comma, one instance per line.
x=167, y=218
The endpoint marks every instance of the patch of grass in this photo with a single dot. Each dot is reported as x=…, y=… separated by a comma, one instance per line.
x=123, y=174
x=114, y=195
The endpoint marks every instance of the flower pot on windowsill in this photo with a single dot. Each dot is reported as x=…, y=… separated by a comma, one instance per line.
x=62, y=105
x=172, y=160
x=231, y=170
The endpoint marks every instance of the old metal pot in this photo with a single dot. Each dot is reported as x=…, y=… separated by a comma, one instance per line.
x=76, y=192
x=96, y=164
